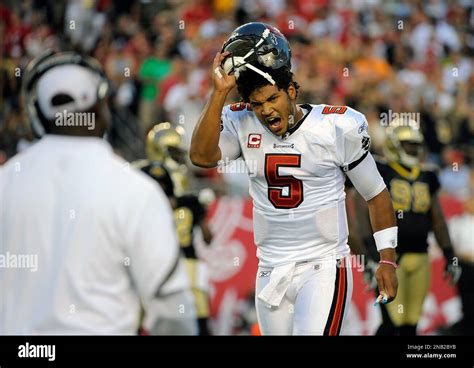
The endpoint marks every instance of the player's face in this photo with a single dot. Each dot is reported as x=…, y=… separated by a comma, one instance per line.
x=274, y=107
x=412, y=148
x=177, y=154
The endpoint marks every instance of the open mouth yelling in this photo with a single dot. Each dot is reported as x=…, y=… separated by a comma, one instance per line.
x=274, y=124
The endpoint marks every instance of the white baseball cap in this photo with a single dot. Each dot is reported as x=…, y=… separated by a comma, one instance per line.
x=73, y=88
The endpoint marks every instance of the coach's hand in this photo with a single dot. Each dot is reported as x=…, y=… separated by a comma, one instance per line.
x=387, y=281
x=222, y=81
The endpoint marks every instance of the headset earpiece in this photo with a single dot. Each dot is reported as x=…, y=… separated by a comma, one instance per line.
x=38, y=67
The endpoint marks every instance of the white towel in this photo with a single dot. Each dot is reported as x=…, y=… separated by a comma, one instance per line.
x=275, y=290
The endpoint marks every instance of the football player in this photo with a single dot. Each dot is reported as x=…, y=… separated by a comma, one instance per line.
x=165, y=144
x=414, y=190
x=189, y=211
x=298, y=156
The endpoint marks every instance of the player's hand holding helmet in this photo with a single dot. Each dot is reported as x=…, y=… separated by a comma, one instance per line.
x=222, y=81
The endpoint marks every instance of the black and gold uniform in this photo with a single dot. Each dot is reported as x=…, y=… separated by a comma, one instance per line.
x=166, y=164
x=165, y=144
x=413, y=188
x=188, y=213
x=411, y=191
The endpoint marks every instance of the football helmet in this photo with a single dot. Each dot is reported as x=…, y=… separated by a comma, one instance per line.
x=254, y=45
x=404, y=143
x=166, y=141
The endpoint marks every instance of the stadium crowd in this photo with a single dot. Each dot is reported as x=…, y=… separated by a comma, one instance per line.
x=379, y=57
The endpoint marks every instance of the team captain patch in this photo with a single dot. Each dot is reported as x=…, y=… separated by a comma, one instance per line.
x=254, y=141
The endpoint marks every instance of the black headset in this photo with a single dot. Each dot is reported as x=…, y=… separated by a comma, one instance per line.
x=39, y=66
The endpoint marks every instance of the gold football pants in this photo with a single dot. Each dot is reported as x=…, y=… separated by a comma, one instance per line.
x=201, y=298
x=413, y=283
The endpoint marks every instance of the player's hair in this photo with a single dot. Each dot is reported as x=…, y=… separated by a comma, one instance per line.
x=249, y=81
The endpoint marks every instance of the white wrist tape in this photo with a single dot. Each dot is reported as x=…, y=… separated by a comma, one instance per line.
x=386, y=238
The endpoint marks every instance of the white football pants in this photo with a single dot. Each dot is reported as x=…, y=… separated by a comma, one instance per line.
x=315, y=296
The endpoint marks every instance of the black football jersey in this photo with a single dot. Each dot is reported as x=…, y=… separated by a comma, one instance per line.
x=411, y=192
x=189, y=212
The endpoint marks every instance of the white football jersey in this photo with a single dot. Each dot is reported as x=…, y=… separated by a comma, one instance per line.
x=297, y=181
x=85, y=241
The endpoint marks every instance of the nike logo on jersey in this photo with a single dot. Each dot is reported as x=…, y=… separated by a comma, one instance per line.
x=363, y=128
x=264, y=273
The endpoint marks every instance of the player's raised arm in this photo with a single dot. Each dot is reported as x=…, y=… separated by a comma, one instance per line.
x=205, y=151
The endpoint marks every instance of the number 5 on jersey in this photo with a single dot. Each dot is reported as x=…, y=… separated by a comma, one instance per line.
x=277, y=182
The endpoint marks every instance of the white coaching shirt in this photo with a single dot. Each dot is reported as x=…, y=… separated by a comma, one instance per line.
x=101, y=232
x=297, y=181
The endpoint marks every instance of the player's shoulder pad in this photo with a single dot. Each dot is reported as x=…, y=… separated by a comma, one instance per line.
x=237, y=110
x=345, y=119
x=352, y=121
x=430, y=167
x=140, y=163
x=234, y=114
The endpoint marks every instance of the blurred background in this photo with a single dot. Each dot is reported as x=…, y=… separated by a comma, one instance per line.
x=379, y=57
